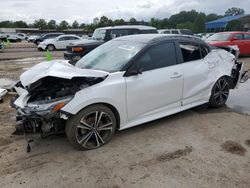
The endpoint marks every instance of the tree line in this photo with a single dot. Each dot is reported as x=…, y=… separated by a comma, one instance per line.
x=193, y=20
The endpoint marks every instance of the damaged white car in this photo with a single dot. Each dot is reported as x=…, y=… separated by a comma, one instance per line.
x=123, y=83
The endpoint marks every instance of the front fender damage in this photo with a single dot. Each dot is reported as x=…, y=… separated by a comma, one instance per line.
x=39, y=104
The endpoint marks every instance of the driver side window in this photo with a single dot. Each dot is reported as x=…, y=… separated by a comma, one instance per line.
x=156, y=57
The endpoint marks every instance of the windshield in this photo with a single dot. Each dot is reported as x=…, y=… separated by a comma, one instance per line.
x=99, y=34
x=219, y=37
x=111, y=56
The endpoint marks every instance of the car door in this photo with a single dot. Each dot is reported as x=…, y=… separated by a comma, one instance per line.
x=196, y=69
x=62, y=42
x=246, y=43
x=237, y=39
x=159, y=87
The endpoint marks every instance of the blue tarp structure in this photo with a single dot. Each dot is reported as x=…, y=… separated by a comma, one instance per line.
x=222, y=23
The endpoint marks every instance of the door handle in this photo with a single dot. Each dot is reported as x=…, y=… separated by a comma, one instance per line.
x=176, y=75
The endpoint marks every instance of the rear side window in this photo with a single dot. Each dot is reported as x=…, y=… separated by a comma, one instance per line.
x=174, y=31
x=118, y=33
x=186, y=32
x=204, y=51
x=73, y=38
x=166, y=32
x=148, y=31
x=238, y=36
x=158, y=57
x=190, y=51
x=247, y=36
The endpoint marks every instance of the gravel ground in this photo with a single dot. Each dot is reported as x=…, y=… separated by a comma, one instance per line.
x=200, y=147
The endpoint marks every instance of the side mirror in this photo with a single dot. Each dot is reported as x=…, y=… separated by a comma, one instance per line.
x=134, y=71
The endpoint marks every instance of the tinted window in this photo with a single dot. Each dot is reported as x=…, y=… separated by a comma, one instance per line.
x=64, y=38
x=166, y=32
x=148, y=31
x=190, y=51
x=186, y=32
x=238, y=36
x=174, y=32
x=118, y=33
x=247, y=36
x=73, y=38
x=157, y=57
x=134, y=31
x=204, y=51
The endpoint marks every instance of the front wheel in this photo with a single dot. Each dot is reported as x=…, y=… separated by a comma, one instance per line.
x=220, y=93
x=91, y=128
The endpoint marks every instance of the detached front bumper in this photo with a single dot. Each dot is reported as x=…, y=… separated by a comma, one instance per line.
x=42, y=117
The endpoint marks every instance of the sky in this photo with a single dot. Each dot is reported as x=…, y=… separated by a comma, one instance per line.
x=85, y=10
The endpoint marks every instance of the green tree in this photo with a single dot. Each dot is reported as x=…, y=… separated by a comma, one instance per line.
x=234, y=11
x=20, y=24
x=63, y=25
x=119, y=22
x=75, y=24
x=41, y=23
x=104, y=21
x=132, y=21
x=52, y=24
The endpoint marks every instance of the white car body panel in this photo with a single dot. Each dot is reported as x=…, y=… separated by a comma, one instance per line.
x=140, y=87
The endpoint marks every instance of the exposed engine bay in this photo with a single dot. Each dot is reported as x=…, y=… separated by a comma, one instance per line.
x=50, y=88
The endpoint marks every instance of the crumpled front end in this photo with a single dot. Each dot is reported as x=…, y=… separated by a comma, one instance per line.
x=41, y=97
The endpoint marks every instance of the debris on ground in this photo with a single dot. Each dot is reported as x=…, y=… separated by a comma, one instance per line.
x=6, y=83
x=233, y=147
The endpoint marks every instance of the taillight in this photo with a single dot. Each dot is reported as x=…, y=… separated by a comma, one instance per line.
x=77, y=49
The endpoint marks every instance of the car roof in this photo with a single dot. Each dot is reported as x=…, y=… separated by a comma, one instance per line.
x=140, y=27
x=153, y=38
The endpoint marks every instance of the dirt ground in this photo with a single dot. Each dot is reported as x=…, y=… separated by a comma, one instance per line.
x=201, y=147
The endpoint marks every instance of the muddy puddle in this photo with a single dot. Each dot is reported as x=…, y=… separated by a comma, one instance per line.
x=239, y=99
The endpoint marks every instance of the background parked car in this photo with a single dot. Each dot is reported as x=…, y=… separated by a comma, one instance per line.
x=58, y=43
x=241, y=39
x=3, y=37
x=102, y=35
x=32, y=38
x=22, y=36
x=46, y=36
x=176, y=31
x=14, y=38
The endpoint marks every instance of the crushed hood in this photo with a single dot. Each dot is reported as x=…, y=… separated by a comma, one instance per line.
x=57, y=68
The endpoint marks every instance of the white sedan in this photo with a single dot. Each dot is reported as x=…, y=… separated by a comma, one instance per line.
x=123, y=83
x=58, y=43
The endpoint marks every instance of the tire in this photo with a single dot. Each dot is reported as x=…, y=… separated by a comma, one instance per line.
x=220, y=93
x=50, y=47
x=91, y=128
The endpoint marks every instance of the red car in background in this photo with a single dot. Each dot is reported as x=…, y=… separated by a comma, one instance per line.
x=241, y=39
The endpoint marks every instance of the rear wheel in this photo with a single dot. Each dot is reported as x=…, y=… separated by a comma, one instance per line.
x=51, y=47
x=220, y=93
x=91, y=128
